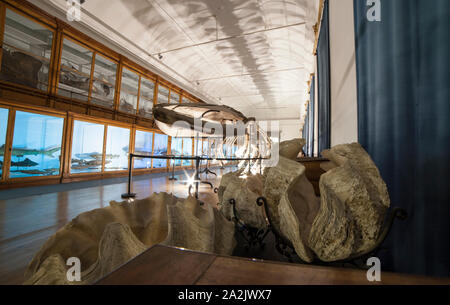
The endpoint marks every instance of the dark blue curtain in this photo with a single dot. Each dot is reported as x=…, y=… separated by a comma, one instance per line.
x=403, y=122
x=306, y=133
x=323, y=79
x=311, y=114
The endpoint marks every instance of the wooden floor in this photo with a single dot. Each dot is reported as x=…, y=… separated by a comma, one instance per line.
x=27, y=222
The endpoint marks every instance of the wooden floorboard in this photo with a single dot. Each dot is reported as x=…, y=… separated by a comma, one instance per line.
x=27, y=222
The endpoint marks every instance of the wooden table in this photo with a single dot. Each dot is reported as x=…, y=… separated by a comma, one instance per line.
x=162, y=265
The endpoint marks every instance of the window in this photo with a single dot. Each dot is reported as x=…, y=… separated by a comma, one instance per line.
x=36, y=145
x=104, y=82
x=3, y=127
x=146, y=99
x=143, y=146
x=174, y=97
x=27, y=48
x=163, y=95
x=87, y=147
x=117, y=148
x=75, y=74
x=160, y=149
x=177, y=149
x=187, y=151
x=129, y=91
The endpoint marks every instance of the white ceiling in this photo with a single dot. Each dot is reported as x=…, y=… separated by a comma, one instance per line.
x=252, y=55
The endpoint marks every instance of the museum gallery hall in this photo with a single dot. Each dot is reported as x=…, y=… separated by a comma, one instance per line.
x=224, y=142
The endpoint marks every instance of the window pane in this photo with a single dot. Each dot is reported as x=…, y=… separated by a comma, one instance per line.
x=187, y=151
x=75, y=75
x=143, y=146
x=104, y=82
x=27, y=49
x=3, y=126
x=117, y=148
x=163, y=95
x=36, y=145
x=177, y=149
x=87, y=147
x=146, y=99
x=174, y=98
x=129, y=91
x=160, y=149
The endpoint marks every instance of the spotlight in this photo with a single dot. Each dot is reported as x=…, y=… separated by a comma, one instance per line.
x=160, y=56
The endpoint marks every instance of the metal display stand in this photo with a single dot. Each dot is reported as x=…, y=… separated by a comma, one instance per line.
x=173, y=172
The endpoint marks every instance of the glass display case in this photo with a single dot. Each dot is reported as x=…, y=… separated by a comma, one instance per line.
x=163, y=95
x=27, y=48
x=104, y=82
x=87, y=147
x=75, y=71
x=129, y=91
x=187, y=151
x=174, y=97
x=146, y=98
x=160, y=149
x=143, y=145
x=3, y=128
x=37, y=144
x=176, y=149
x=117, y=148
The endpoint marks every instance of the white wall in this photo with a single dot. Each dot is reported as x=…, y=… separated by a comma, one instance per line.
x=344, y=111
x=290, y=129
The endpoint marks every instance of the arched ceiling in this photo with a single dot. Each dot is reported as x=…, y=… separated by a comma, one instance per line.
x=252, y=55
